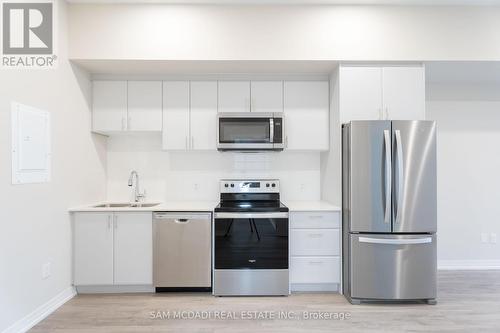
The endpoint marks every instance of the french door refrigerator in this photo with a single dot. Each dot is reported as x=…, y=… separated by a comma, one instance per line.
x=389, y=210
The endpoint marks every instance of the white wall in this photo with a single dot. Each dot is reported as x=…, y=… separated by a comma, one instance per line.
x=34, y=222
x=176, y=32
x=195, y=175
x=468, y=119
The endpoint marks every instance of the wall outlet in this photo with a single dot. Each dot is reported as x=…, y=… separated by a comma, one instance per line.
x=45, y=270
x=302, y=187
x=196, y=186
x=493, y=238
x=484, y=237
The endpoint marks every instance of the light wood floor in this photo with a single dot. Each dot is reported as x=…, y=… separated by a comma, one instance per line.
x=468, y=301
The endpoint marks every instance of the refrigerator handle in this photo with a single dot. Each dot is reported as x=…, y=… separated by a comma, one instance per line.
x=388, y=176
x=400, y=175
x=408, y=241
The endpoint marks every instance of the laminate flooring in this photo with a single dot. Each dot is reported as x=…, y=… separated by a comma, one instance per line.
x=468, y=301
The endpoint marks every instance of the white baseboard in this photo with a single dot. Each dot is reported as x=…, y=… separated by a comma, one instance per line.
x=40, y=313
x=468, y=264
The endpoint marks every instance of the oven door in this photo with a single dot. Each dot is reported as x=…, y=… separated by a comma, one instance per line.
x=251, y=240
x=241, y=131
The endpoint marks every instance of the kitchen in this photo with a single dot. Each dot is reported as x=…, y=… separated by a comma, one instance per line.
x=172, y=165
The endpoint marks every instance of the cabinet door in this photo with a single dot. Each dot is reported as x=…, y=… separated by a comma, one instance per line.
x=360, y=93
x=133, y=248
x=93, y=249
x=306, y=107
x=234, y=96
x=176, y=115
x=404, y=93
x=267, y=96
x=144, y=106
x=203, y=115
x=109, y=106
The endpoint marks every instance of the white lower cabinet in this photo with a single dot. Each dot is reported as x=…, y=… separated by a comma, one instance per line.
x=112, y=248
x=133, y=244
x=93, y=249
x=315, y=270
x=314, y=251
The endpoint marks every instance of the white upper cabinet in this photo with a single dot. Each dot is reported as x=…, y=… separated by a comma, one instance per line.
x=93, y=249
x=133, y=248
x=144, y=106
x=176, y=115
x=383, y=92
x=234, y=96
x=266, y=96
x=404, y=92
x=109, y=106
x=360, y=93
x=306, y=107
x=203, y=124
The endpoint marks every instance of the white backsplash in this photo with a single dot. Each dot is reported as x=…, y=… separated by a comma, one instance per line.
x=195, y=175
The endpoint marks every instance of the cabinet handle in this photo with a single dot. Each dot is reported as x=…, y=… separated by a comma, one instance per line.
x=192, y=142
x=386, y=113
x=315, y=262
x=315, y=216
x=109, y=221
x=186, y=142
x=129, y=122
x=317, y=235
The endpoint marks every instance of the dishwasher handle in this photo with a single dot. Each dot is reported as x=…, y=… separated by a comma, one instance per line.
x=181, y=221
x=180, y=217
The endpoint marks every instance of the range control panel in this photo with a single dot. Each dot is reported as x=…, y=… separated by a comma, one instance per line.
x=250, y=186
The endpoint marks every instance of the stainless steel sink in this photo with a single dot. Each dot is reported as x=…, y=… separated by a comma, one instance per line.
x=126, y=205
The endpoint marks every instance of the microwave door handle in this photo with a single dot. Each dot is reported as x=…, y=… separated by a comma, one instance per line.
x=271, y=130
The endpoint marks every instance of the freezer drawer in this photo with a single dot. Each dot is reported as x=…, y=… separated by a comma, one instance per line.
x=392, y=267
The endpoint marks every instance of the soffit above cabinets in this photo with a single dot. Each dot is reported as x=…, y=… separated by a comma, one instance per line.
x=302, y=2
x=162, y=68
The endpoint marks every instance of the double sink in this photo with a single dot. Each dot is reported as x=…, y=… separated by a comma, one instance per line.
x=126, y=205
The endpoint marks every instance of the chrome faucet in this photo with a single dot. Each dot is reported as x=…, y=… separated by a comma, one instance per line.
x=137, y=194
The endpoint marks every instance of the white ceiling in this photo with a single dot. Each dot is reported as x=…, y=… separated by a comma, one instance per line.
x=306, y=2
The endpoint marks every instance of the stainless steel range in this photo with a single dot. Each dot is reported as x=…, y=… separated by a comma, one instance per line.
x=250, y=239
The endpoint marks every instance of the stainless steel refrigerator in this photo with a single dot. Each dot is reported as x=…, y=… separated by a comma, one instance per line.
x=389, y=210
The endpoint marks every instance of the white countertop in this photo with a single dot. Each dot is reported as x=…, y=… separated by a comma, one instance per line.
x=201, y=206
x=180, y=206
x=297, y=206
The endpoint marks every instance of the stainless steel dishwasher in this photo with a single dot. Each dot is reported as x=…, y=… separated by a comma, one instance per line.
x=182, y=251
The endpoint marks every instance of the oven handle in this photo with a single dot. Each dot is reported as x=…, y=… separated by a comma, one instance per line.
x=280, y=215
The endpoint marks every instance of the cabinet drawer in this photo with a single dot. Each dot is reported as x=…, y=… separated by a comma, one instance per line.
x=314, y=242
x=315, y=220
x=314, y=270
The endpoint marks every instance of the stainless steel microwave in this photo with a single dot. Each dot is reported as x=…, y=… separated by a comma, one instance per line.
x=250, y=131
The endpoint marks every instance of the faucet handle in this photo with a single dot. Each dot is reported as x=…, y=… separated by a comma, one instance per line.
x=141, y=195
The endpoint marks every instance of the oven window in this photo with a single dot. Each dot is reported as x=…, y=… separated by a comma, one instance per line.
x=251, y=243
x=244, y=130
